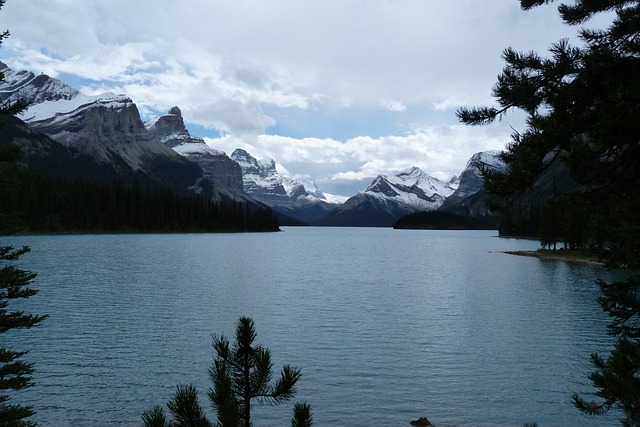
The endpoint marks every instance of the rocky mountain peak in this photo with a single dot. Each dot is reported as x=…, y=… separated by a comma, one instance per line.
x=260, y=177
x=410, y=174
x=32, y=88
x=412, y=181
x=252, y=166
x=105, y=128
x=171, y=130
x=465, y=200
x=485, y=159
x=300, y=199
x=224, y=174
x=381, y=185
x=175, y=111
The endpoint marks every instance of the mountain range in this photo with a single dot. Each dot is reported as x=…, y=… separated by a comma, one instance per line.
x=106, y=130
x=103, y=137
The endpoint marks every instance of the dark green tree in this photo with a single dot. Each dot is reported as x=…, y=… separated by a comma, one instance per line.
x=15, y=374
x=302, y=415
x=241, y=373
x=185, y=408
x=583, y=109
x=549, y=224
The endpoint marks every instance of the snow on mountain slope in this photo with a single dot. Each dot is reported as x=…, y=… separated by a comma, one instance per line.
x=107, y=128
x=387, y=198
x=469, y=197
x=49, y=98
x=224, y=174
x=262, y=178
x=471, y=178
x=56, y=111
x=299, y=199
x=411, y=187
x=31, y=88
x=171, y=131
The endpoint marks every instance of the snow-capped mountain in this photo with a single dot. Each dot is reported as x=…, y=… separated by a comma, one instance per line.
x=260, y=178
x=412, y=188
x=298, y=199
x=107, y=128
x=387, y=198
x=469, y=197
x=33, y=89
x=223, y=174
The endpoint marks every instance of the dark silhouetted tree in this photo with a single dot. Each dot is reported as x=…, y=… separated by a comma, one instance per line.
x=241, y=373
x=583, y=109
x=302, y=415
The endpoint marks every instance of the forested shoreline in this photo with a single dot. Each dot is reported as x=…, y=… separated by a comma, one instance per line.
x=52, y=205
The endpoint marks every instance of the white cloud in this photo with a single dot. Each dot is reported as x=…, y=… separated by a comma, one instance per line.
x=392, y=69
x=442, y=151
x=395, y=106
x=285, y=52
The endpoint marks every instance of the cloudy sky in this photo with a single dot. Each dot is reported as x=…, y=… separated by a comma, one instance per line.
x=338, y=91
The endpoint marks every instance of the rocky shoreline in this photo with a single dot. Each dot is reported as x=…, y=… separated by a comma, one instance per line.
x=560, y=255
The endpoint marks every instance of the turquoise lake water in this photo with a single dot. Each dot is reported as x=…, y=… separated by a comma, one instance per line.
x=387, y=325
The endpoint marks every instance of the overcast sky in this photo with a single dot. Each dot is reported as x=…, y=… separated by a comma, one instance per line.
x=336, y=90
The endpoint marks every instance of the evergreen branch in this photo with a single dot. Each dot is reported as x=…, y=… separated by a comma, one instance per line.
x=8, y=253
x=530, y=4
x=285, y=386
x=155, y=417
x=186, y=409
x=302, y=415
x=479, y=116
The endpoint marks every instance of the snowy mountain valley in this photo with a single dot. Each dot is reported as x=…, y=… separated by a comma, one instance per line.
x=107, y=132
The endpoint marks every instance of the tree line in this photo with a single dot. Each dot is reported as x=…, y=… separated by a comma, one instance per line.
x=50, y=204
x=441, y=220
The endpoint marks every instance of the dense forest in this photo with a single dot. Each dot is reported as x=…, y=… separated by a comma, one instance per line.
x=49, y=204
x=439, y=220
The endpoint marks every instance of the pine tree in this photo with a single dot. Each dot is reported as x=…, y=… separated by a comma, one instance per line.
x=14, y=373
x=549, y=224
x=241, y=373
x=302, y=415
x=583, y=108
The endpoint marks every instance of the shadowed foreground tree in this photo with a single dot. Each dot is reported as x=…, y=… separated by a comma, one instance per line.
x=583, y=109
x=241, y=373
x=15, y=374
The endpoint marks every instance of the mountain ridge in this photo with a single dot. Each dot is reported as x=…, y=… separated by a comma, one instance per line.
x=108, y=128
x=298, y=199
x=224, y=174
x=389, y=197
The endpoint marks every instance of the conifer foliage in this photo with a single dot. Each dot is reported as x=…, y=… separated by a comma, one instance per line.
x=583, y=109
x=241, y=373
x=15, y=374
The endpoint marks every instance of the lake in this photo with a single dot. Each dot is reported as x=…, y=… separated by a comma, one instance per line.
x=387, y=325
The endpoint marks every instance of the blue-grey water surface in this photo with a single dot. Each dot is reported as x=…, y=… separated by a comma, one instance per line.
x=386, y=325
